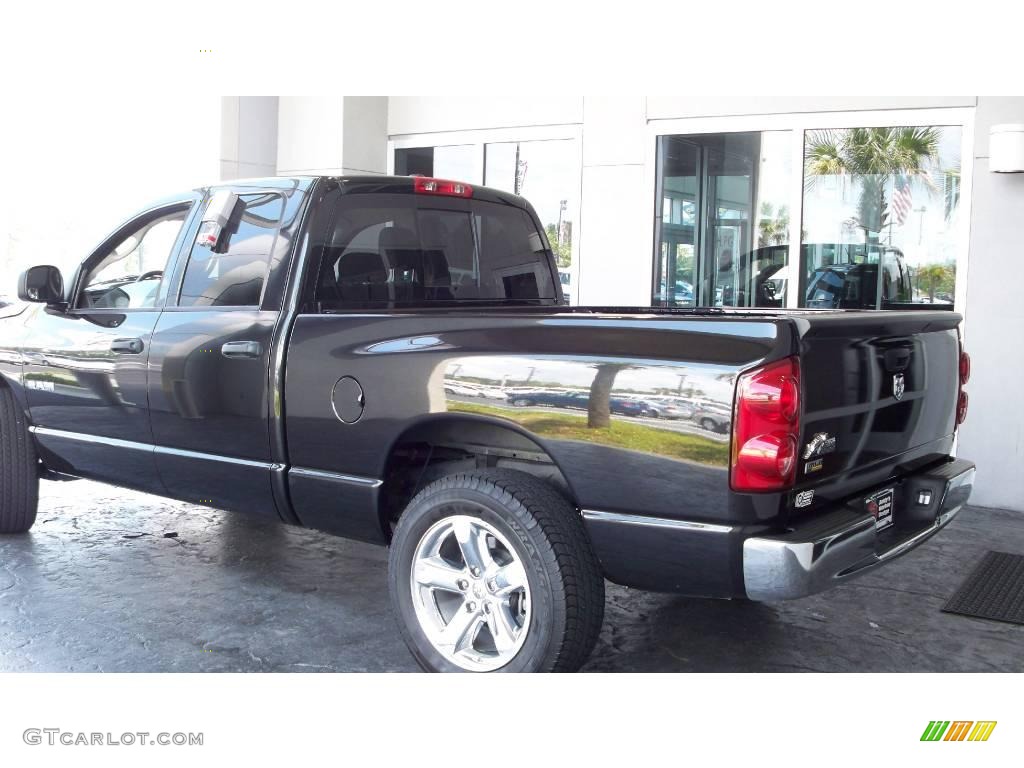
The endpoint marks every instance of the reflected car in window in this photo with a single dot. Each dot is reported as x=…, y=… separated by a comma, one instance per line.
x=712, y=417
x=551, y=398
x=682, y=293
x=629, y=407
x=668, y=409
x=839, y=276
x=856, y=286
x=621, y=406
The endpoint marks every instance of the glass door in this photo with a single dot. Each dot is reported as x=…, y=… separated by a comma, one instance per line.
x=729, y=183
x=721, y=225
x=679, y=163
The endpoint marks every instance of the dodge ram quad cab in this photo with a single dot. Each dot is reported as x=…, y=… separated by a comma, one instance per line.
x=354, y=354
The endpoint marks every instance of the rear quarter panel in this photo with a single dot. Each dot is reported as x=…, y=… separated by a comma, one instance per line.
x=419, y=366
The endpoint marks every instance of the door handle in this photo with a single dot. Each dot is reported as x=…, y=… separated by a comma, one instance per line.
x=240, y=349
x=127, y=346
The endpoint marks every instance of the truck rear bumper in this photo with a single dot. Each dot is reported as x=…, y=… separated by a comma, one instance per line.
x=838, y=545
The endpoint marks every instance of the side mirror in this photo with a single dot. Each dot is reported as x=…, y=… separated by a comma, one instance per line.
x=42, y=284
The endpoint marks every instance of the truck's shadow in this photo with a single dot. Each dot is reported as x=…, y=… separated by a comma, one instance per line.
x=643, y=631
x=647, y=632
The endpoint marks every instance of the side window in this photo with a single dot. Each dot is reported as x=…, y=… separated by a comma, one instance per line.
x=129, y=275
x=386, y=251
x=514, y=263
x=234, y=274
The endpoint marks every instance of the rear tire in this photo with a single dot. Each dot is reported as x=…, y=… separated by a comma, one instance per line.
x=512, y=523
x=19, y=471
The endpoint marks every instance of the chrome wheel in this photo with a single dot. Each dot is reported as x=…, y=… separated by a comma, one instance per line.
x=470, y=593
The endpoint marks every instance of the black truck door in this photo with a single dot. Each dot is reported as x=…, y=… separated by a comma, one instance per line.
x=210, y=380
x=85, y=372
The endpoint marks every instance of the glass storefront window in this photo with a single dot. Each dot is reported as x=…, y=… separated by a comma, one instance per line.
x=546, y=173
x=723, y=222
x=460, y=162
x=881, y=217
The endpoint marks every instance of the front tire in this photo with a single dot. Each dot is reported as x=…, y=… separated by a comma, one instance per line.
x=492, y=570
x=19, y=471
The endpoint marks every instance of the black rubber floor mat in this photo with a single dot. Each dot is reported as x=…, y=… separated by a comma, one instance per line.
x=995, y=590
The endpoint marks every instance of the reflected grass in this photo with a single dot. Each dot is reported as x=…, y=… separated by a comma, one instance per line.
x=635, y=437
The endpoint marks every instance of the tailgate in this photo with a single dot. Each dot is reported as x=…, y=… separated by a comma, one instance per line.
x=880, y=393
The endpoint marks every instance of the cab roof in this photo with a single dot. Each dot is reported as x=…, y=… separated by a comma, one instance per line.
x=366, y=183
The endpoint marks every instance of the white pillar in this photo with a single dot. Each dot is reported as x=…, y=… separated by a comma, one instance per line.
x=993, y=435
x=248, y=136
x=332, y=135
x=617, y=226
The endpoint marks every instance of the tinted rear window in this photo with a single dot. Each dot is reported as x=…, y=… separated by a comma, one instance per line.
x=405, y=250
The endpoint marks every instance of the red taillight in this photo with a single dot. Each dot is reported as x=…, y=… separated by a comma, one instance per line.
x=767, y=427
x=965, y=368
x=965, y=376
x=425, y=185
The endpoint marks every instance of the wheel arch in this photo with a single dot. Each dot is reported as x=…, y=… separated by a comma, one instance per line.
x=432, y=444
x=17, y=388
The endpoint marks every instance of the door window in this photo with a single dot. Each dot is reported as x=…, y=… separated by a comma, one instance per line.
x=129, y=275
x=234, y=274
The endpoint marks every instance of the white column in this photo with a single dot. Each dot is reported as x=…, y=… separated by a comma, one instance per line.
x=617, y=221
x=248, y=140
x=332, y=135
x=993, y=435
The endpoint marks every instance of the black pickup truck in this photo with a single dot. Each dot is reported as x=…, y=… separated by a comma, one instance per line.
x=359, y=355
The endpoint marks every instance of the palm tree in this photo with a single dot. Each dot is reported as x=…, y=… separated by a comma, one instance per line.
x=933, y=275
x=875, y=155
x=599, y=406
x=773, y=227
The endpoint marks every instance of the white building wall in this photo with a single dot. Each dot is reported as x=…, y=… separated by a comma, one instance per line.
x=365, y=134
x=248, y=140
x=332, y=135
x=617, y=212
x=993, y=435
x=675, y=107
x=430, y=114
x=310, y=134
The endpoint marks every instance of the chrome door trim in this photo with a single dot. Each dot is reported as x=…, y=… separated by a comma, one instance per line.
x=657, y=522
x=112, y=442
x=320, y=474
x=159, y=449
x=164, y=450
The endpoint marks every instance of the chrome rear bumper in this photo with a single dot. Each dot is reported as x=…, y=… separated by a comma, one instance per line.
x=842, y=544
